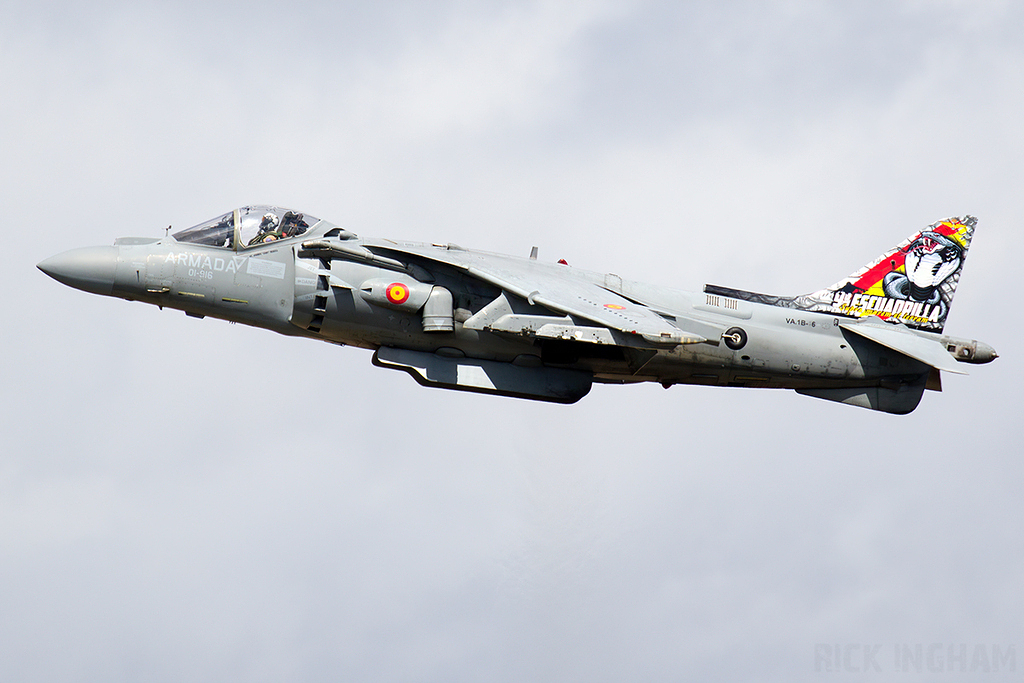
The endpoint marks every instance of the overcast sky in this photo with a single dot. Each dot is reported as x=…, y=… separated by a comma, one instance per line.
x=188, y=500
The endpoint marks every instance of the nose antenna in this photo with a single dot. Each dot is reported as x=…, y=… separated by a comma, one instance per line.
x=167, y=231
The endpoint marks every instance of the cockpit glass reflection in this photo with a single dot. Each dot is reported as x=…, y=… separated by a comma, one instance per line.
x=216, y=232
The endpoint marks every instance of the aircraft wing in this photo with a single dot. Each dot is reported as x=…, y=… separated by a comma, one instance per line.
x=904, y=341
x=554, y=287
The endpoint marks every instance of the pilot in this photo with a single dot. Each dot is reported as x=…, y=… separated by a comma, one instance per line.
x=269, y=229
x=293, y=224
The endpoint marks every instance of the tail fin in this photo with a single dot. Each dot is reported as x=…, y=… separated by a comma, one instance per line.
x=913, y=283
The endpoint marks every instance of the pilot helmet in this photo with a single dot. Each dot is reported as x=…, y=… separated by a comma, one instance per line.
x=270, y=221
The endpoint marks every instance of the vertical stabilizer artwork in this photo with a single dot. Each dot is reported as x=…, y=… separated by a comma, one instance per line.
x=913, y=284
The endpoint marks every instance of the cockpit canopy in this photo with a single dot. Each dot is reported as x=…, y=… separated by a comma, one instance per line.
x=247, y=227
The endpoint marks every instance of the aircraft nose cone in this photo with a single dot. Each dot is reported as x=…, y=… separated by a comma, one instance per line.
x=90, y=269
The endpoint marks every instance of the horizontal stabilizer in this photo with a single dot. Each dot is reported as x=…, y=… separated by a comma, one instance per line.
x=904, y=341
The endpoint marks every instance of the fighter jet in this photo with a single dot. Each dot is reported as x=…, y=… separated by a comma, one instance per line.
x=476, y=321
